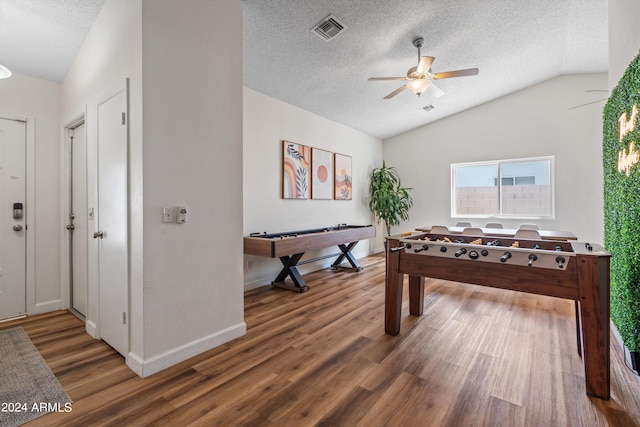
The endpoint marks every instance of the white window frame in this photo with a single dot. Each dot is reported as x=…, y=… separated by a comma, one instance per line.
x=498, y=164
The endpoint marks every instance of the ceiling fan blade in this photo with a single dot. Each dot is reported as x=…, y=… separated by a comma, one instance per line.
x=425, y=64
x=386, y=78
x=395, y=92
x=457, y=73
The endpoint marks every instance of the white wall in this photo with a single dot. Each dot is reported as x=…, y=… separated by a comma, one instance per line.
x=533, y=122
x=624, y=37
x=192, y=96
x=111, y=53
x=39, y=101
x=268, y=121
x=185, y=149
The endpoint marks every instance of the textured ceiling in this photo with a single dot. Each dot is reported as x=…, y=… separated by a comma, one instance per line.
x=514, y=43
x=40, y=38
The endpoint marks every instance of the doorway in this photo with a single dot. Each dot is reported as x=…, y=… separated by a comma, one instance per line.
x=77, y=219
x=13, y=230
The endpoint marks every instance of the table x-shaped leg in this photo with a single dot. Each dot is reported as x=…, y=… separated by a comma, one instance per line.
x=346, y=253
x=290, y=270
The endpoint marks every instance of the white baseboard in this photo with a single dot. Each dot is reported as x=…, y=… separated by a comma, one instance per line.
x=377, y=251
x=90, y=327
x=146, y=367
x=256, y=284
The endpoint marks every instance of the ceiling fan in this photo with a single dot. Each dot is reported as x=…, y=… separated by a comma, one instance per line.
x=420, y=78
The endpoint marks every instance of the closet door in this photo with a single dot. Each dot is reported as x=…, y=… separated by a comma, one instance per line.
x=112, y=221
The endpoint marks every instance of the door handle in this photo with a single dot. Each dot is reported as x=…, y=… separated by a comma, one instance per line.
x=17, y=227
x=99, y=234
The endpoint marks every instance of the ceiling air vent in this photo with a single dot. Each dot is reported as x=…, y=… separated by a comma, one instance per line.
x=328, y=28
x=428, y=108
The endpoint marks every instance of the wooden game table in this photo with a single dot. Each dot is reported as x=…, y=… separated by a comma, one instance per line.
x=564, y=269
x=290, y=246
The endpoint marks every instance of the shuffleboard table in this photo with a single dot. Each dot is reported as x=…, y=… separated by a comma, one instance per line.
x=290, y=246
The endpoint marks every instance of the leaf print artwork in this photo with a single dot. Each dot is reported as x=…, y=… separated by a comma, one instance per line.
x=295, y=170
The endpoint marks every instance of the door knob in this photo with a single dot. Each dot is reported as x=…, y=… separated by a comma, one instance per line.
x=99, y=234
x=70, y=227
x=17, y=227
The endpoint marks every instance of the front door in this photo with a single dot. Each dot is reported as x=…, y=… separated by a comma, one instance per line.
x=13, y=228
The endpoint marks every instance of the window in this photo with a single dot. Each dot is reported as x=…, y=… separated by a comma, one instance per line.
x=525, y=190
x=519, y=180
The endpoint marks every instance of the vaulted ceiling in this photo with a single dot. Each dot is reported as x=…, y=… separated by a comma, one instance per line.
x=514, y=44
x=40, y=38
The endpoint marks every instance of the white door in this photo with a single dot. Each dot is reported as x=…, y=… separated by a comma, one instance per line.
x=112, y=221
x=13, y=226
x=77, y=222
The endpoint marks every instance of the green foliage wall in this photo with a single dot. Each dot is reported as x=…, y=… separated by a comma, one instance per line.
x=621, y=142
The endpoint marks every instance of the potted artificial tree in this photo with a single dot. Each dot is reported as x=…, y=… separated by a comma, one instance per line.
x=388, y=200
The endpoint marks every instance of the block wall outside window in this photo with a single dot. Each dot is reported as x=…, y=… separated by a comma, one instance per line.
x=526, y=199
x=526, y=194
x=476, y=200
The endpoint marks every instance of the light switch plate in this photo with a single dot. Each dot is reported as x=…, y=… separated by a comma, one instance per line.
x=168, y=214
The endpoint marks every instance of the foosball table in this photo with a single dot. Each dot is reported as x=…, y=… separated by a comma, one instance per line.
x=573, y=270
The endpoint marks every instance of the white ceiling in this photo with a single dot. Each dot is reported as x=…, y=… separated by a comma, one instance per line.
x=514, y=43
x=40, y=38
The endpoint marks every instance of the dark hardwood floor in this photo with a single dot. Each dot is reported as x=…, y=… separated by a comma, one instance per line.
x=477, y=357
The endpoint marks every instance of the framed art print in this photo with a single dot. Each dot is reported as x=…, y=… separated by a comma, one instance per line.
x=295, y=170
x=321, y=174
x=343, y=184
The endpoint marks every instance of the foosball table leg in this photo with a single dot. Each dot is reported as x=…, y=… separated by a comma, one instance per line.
x=578, y=329
x=393, y=290
x=416, y=295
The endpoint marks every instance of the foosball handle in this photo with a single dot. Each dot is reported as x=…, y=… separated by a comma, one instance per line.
x=505, y=257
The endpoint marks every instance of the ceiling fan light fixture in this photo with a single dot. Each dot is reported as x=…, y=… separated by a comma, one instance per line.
x=4, y=72
x=418, y=86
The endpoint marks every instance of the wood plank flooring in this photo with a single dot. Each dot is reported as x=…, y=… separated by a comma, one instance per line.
x=477, y=357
